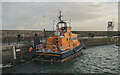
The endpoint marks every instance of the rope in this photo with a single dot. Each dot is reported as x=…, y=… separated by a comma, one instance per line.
x=28, y=62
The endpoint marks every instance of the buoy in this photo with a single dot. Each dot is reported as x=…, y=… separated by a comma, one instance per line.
x=53, y=48
x=39, y=46
x=30, y=49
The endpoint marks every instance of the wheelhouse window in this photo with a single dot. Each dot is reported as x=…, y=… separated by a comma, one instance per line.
x=62, y=25
x=56, y=40
x=74, y=38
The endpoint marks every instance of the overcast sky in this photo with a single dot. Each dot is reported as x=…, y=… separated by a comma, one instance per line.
x=85, y=16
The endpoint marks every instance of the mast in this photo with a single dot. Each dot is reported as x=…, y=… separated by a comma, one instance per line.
x=60, y=17
x=70, y=22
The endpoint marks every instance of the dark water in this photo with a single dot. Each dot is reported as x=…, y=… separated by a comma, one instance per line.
x=96, y=59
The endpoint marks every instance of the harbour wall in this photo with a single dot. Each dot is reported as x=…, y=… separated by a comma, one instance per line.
x=99, y=41
x=9, y=36
x=13, y=33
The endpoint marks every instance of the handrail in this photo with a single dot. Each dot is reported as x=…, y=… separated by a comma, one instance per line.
x=58, y=46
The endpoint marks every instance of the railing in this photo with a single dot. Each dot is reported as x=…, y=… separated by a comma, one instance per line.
x=59, y=45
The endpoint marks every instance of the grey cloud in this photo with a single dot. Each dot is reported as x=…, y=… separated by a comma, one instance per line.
x=29, y=15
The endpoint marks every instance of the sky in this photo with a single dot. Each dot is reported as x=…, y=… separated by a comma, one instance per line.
x=85, y=16
x=59, y=0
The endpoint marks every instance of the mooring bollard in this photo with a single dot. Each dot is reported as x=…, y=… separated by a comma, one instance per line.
x=14, y=52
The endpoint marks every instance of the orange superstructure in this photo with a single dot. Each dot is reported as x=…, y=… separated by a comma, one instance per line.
x=63, y=38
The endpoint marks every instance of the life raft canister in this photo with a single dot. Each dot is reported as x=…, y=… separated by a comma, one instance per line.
x=39, y=46
x=30, y=49
x=53, y=48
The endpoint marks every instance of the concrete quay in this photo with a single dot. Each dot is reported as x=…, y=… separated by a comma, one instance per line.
x=7, y=52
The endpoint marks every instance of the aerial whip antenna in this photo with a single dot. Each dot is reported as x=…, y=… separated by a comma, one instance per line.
x=60, y=17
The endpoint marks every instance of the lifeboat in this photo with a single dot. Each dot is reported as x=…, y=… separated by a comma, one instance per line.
x=62, y=45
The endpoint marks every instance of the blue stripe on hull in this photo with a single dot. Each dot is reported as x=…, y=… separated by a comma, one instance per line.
x=50, y=57
x=62, y=56
x=68, y=54
x=71, y=52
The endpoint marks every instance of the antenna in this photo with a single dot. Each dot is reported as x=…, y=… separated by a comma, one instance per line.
x=70, y=22
x=53, y=24
x=60, y=17
x=43, y=22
